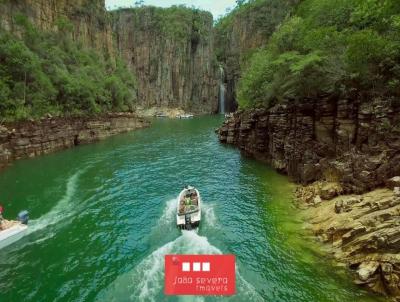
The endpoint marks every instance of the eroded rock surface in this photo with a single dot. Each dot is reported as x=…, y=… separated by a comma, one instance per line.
x=337, y=147
x=362, y=231
x=171, y=55
x=29, y=139
x=357, y=145
x=91, y=24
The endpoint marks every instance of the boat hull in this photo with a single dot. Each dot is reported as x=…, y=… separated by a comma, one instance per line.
x=194, y=220
x=189, y=220
x=12, y=234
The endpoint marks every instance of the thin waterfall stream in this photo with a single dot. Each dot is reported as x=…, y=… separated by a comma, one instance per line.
x=222, y=91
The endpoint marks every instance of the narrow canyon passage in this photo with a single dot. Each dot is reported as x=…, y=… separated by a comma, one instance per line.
x=103, y=218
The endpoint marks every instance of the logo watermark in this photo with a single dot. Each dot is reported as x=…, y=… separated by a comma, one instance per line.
x=200, y=275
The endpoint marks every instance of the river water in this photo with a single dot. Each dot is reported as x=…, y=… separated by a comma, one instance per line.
x=103, y=217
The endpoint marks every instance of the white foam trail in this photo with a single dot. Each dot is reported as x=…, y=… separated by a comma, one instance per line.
x=168, y=215
x=61, y=210
x=145, y=281
x=48, y=236
x=209, y=215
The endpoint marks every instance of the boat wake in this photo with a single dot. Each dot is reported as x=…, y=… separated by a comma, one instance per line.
x=168, y=215
x=145, y=282
x=63, y=208
x=209, y=215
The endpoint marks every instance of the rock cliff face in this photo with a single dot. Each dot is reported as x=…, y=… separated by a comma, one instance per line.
x=357, y=145
x=89, y=18
x=171, y=51
x=244, y=31
x=29, y=139
x=346, y=148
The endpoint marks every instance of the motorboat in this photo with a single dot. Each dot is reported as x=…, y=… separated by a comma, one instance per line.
x=188, y=208
x=185, y=116
x=161, y=115
x=13, y=230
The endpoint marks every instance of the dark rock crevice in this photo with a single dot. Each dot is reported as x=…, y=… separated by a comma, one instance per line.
x=335, y=140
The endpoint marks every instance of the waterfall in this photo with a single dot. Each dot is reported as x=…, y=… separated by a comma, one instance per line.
x=222, y=91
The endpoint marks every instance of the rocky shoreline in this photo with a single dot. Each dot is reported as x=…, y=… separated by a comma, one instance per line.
x=360, y=230
x=32, y=138
x=346, y=156
x=357, y=145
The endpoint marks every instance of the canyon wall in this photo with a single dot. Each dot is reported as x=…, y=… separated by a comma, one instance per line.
x=357, y=145
x=171, y=51
x=29, y=139
x=243, y=31
x=91, y=24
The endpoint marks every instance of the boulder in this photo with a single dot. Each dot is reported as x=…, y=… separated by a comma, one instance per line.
x=367, y=269
x=330, y=190
x=317, y=200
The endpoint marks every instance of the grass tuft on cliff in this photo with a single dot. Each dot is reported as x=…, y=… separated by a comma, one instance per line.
x=49, y=73
x=348, y=48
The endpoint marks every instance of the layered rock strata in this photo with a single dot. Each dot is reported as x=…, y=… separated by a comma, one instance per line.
x=357, y=145
x=29, y=139
x=172, y=55
x=347, y=156
x=91, y=22
x=362, y=231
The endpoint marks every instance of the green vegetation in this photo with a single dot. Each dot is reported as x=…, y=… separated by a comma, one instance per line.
x=48, y=73
x=177, y=22
x=261, y=17
x=347, y=48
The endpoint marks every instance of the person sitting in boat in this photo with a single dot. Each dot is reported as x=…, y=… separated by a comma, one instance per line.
x=195, y=199
x=188, y=200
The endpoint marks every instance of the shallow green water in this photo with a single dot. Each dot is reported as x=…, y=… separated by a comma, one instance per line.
x=103, y=217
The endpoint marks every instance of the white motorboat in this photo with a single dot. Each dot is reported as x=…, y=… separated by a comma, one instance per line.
x=185, y=116
x=13, y=230
x=161, y=115
x=188, y=208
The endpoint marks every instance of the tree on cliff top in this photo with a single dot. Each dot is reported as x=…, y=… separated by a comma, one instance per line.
x=345, y=47
x=49, y=73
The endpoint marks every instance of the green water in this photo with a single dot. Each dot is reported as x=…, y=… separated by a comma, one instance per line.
x=103, y=217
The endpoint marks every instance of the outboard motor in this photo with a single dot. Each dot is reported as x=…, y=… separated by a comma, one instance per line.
x=23, y=217
x=188, y=222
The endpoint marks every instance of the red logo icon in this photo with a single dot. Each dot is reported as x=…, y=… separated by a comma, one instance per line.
x=200, y=275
